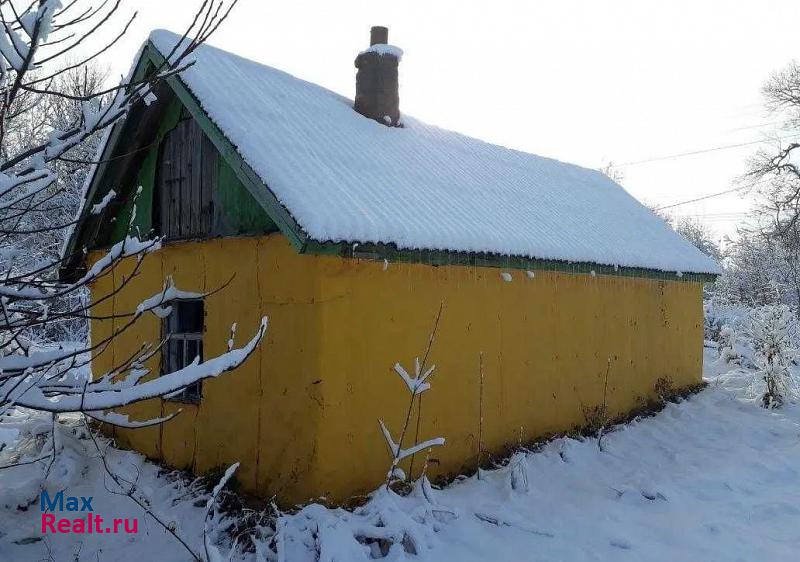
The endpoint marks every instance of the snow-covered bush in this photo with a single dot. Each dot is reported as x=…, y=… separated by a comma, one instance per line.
x=712, y=326
x=389, y=526
x=773, y=331
x=727, y=345
x=727, y=330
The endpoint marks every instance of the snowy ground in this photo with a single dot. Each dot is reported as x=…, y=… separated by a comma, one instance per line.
x=712, y=478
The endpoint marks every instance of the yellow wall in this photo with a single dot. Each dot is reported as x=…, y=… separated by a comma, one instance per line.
x=301, y=414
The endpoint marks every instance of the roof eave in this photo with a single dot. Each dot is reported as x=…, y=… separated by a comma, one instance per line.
x=390, y=252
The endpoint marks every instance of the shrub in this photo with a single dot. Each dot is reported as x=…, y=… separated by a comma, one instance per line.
x=773, y=333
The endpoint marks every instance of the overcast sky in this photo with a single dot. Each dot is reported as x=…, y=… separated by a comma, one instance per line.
x=588, y=81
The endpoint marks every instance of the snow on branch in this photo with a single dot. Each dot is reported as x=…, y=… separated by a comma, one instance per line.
x=121, y=394
x=159, y=304
x=122, y=420
x=100, y=207
x=56, y=118
x=415, y=385
x=401, y=454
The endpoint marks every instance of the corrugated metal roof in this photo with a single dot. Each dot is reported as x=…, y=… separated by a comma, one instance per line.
x=344, y=177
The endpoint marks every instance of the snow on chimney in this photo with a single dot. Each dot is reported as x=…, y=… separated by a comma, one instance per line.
x=377, y=89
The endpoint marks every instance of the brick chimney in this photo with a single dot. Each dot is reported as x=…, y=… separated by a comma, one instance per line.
x=377, y=89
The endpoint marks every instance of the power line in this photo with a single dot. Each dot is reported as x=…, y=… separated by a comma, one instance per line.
x=756, y=126
x=710, y=195
x=703, y=151
x=724, y=220
x=720, y=214
x=714, y=218
x=702, y=198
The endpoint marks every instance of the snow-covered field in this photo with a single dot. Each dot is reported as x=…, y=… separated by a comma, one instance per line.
x=712, y=478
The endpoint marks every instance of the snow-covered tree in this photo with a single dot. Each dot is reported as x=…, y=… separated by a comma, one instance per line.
x=695, y=232
x=759, y=269
x=773, y=333
x=39, y=115
x=36, y=40
x=699, y=235
x=774, y=177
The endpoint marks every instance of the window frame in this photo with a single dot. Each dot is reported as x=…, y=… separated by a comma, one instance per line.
x=170, y=361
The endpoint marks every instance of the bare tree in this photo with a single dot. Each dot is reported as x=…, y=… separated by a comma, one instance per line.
x=37, y=42
x=613, y=173
x=775, y=173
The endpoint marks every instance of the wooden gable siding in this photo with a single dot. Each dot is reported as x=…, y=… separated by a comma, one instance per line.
x=224, y=206
x=185, y=182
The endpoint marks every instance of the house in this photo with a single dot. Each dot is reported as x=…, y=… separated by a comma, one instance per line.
x=349, y=225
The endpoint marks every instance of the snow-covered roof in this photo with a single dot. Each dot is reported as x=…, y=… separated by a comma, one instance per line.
x=344, y=177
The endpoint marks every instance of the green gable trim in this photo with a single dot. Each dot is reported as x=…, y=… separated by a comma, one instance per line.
x=235, y=206
x=89, y=226
x=261, y=193
x=143, y=222
x=235, y=210
x=235, y=213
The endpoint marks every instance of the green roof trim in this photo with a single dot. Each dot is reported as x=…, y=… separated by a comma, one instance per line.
x=375, y=252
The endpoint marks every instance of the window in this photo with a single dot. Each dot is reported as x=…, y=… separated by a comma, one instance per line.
x=183, y=331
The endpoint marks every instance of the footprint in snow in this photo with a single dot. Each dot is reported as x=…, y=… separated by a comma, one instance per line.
x=620, y=543
x=28, y=540
x=653, y=496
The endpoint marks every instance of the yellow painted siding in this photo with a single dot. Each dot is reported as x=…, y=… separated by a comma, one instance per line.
x=301, y=415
